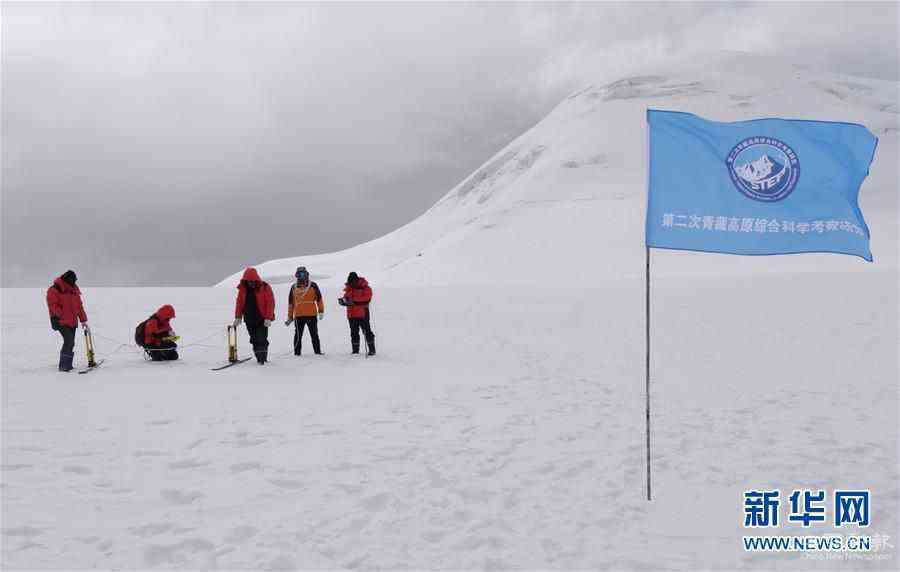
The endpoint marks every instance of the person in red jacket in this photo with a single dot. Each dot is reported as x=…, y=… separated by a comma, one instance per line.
x=159, y=337
x=256, y=307
x=66, y=310
x=357, y=296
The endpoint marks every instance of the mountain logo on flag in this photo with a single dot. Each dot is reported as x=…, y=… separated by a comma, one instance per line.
x=763, y=168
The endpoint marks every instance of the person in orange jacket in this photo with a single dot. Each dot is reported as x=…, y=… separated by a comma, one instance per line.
x=159, y=337
x=305, y=309
x=255, y=306
x=66, y=310
x=357, y=296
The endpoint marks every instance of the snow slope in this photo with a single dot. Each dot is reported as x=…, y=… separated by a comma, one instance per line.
x=502, y=423
x=564, y=202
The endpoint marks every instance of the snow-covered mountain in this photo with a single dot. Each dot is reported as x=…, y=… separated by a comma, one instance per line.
x=564, y=202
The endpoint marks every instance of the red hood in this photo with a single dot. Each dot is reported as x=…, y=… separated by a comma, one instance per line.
x=360, y=283
x=166, y=312
x=65, y=286
x=250, y=275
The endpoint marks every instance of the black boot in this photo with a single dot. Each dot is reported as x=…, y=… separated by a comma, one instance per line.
x=355, y=349
x=371, y=345
x=65, y=362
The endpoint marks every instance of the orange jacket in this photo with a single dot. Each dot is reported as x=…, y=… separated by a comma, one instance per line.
x=64, y=302
x=265, y=300
x=305, y=301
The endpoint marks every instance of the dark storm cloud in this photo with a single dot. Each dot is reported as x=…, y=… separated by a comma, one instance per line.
x=173, y=143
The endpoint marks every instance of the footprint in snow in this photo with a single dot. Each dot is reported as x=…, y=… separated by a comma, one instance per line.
x=77, y=470
x=550, y=546
x=26, y=531
x=241, y=467
x=355, y=563
x=178, y=553
x=436, y=480
x=105, y=545
x=280, y=563
x=377, y=502
x=286, y=483
x=78, y=454
x=30, y=449
x=152, y=529
x=547, y=468
x=151, y=453
x=241, y=534
x=578, y=469
x=160, y=422
x=174, y=496
x=28, y=546
x=345, y=466
x=188, y=464
x=348, y=488
x=434, y=536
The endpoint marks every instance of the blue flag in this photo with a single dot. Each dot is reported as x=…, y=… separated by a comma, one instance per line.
x=766, y=186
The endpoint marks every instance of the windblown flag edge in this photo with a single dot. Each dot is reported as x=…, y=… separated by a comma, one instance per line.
x=759, y=187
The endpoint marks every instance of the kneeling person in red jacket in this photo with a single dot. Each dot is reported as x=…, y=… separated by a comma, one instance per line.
x=256, y=307
x=66, y=310
x=159, y=337
x=357, y=295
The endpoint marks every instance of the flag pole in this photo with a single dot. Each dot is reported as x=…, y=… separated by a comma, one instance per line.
x=647, y=371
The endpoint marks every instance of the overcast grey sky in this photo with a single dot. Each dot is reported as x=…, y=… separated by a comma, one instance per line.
x=161, y=143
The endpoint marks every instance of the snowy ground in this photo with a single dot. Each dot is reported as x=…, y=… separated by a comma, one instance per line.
x=497, y=428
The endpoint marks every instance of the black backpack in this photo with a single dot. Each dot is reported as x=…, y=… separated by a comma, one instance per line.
x=139, y=331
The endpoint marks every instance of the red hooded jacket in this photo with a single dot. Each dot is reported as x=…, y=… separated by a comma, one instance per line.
x=157, y=327
x=64, y=302
x=360, y=294
x=265, y=300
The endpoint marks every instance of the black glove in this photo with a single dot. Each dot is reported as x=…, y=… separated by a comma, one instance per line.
x=54, y=323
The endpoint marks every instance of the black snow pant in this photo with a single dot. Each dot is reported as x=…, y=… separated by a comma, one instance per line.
x=165, y=351
x=306, y=321
x=259, y=339
x=67, y=352
x=357, y=324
